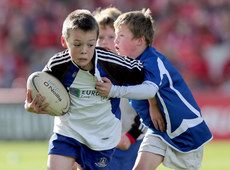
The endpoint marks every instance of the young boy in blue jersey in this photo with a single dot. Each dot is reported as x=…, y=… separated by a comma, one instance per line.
x=125, y=154
x=89, y=132
x=181, y=145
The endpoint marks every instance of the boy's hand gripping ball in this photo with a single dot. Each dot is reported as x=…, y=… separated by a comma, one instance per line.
x=54, y=91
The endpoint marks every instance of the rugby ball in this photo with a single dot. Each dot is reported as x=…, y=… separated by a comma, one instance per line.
x=54, y=91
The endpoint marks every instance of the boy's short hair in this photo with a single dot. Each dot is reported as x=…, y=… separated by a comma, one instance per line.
x=106, y=17
x=79, y=19
x=140, y=23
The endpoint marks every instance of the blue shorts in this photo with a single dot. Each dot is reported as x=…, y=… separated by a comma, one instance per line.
x=86, y=157
x=125, y=159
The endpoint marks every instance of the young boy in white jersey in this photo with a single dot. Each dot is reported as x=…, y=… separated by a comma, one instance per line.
x=181, y=146
x=90, y=131
x=125, y=155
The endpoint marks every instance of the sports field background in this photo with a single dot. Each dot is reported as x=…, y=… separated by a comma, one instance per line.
x=33, y=156
x=30, y=33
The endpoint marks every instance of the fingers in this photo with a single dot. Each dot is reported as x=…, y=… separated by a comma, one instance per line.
x=36, y=105
x=104, y=87
x=36, y=99
x=101, y=84
x=40, y=101
x=105, y=80
x=102, y=93
x=28, y=96
x=159, y=124
x=155, y=124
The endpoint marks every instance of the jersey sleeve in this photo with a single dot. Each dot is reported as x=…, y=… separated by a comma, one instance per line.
x=152, y=71
x=58, y=65
x=146, y=90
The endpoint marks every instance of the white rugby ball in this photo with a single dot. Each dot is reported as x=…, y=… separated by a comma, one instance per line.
x=54, y=91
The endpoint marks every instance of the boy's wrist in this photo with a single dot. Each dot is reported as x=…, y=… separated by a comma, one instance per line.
x=111, y=92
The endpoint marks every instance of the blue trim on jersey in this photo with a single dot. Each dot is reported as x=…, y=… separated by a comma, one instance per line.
x=115, y=102
x=70, y=76
x=186, y=129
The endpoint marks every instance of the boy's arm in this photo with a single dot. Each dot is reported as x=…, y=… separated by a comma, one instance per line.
x=56, y=66
x=35, y=105
x=156, y=115
x=146, y=90
x=131, y=136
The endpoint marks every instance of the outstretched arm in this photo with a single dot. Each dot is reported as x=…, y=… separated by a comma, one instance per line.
x=141, y=91
x=146, y=90
x=35, y=105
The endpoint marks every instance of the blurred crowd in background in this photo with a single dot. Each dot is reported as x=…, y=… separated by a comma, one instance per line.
x=193, y=34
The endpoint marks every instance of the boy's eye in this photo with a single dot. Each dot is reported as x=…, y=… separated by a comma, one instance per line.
x=100, y=38
x=77, y=45
x=90, y=45
x=120, y=35
x=111, y=37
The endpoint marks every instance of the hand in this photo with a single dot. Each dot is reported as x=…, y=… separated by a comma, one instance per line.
x=156, y=115
x=124, y=143
x=104, y=87
x=35, y=105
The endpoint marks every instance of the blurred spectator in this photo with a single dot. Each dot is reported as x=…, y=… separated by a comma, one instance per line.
x=194, y=33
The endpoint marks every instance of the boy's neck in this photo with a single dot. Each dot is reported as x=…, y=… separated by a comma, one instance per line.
x=138, y=52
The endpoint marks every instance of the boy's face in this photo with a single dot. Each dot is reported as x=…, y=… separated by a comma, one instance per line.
x=106, y=38
x=125, y=44
x=81, y=46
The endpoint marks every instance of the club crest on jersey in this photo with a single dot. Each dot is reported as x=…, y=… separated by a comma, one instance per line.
x=102, y=163
x=84, y=93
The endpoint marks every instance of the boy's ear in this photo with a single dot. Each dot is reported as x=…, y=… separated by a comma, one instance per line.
x=63, y=42
x=141, y=40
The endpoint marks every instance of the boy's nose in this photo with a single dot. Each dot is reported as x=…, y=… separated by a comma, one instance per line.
x=104, y=42
x=84, y=49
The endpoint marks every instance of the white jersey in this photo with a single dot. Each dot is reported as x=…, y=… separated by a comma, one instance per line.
x=92, y=120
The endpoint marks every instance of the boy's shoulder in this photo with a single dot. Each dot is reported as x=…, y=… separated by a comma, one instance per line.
x=120, y=69
x=106, y=56
x=59, y=62
x=103, y=51
x=63, y=53
x=150, y=53
x=109, y=56
x=60, y=57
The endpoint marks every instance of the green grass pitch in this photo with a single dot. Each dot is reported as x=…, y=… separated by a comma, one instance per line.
x=33, y=156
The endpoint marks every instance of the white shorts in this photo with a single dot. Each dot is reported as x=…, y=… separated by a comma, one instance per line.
x=172, y=158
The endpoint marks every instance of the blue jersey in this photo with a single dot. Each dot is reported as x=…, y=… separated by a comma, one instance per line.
x=186, y=130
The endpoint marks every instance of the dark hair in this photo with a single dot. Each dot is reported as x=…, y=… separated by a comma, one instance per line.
x=79, y=19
